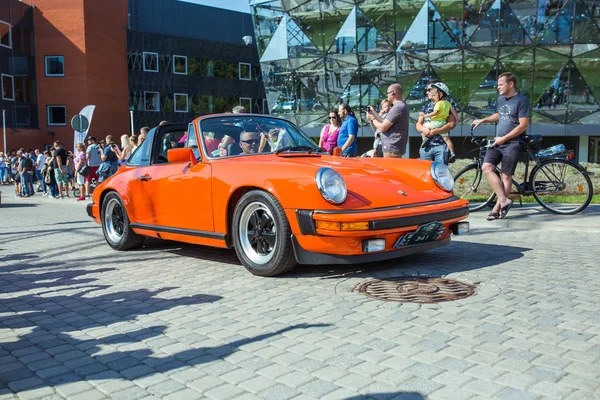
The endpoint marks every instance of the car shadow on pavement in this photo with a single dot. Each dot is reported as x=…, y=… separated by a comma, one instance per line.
x=458, y=257
x=67, y=329
x=205, y=253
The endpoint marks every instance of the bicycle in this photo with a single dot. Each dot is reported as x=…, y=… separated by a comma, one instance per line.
x=550, y=178
x=77, y=191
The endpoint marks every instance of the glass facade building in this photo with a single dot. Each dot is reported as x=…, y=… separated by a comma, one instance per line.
x=183, y=63
x=315, y=54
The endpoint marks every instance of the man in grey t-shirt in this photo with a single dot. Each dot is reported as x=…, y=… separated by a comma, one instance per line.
x=394, y=127
x=512, y=115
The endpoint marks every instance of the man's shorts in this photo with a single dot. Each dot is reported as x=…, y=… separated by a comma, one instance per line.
x=392, y=155
x=508, y=153
x=92, y=175
x=61, y=177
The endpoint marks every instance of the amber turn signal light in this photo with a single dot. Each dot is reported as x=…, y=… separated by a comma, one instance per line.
x=343, y=226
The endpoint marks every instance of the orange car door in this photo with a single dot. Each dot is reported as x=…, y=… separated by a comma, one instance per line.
x=179, y=196
x=141, y=205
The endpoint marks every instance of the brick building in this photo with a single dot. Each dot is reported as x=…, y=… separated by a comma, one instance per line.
x=162, y=59
x=79, y=58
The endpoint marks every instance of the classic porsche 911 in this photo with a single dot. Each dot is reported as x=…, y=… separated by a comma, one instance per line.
x=260, y=185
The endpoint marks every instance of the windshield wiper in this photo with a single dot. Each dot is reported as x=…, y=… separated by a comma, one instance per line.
x=295, y=148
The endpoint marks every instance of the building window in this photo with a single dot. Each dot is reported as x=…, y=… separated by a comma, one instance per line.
x=22, y=116
x=57, y=115
x=246, y=102
x=5, y=35
x=55, y=65
x=181, y=102
x=180, y=65
x=8, y=87
x=17, y=66
x=152, y=101
x=150, y=62
x=244, y=71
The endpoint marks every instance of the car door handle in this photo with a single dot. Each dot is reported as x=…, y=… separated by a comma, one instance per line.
x=145, y=178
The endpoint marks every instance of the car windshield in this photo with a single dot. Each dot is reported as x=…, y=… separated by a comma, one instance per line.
x=239, y=135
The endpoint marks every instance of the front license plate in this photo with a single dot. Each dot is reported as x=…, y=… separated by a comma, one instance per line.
x=425, y=233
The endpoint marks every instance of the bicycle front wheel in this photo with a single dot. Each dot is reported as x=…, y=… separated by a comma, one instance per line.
x=470, y=184
x=562, y=188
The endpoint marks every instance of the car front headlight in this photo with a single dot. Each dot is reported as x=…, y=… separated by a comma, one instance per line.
x=442, y=176
x=331, y=185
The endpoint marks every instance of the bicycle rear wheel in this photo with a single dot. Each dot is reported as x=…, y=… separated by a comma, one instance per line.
x=560, y=187
x=470, y=184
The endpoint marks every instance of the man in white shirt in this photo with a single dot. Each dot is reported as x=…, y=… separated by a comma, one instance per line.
x=39, y=164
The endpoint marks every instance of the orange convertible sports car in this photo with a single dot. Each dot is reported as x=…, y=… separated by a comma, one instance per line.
x=260, y=185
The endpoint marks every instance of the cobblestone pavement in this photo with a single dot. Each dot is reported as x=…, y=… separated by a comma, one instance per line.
x=81, y=321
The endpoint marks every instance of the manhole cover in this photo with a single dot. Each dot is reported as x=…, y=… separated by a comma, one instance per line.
x=411, y=289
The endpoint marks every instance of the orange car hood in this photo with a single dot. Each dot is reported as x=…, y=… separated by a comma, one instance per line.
x=376, y=182
x=384, y=183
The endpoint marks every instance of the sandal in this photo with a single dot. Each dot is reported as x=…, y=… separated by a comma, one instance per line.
x=504, y=210
x=492, y=216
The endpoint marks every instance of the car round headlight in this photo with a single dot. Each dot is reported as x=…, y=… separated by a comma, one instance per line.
x=331, y=185
x=442, y=176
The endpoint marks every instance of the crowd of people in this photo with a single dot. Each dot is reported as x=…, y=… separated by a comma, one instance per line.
x=55, y=172
x=390, y=126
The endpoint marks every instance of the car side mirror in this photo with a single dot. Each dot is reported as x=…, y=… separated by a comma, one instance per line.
x=182, y=155
x=337, y=151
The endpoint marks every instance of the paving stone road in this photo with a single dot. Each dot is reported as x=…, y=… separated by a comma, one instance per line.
x=81, y=321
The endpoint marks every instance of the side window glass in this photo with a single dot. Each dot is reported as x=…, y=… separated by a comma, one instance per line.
x=141, y=153
x=191, y=140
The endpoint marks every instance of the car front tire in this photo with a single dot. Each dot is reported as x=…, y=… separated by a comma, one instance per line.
x=262, y=235
x=115, y=225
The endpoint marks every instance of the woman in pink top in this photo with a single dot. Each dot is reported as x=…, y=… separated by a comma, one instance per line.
x=330, y=132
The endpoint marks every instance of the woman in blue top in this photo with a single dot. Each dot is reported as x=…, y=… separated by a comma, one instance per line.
x=348, y=131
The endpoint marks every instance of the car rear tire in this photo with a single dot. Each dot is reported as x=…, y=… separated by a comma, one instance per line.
x=115, y=225
x=262, y=235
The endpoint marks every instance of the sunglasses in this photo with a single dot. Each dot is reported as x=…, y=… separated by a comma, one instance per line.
x=253, y=141
x=332, y=117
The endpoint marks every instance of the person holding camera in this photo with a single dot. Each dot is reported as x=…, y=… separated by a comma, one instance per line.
x=394, y=126
x=385, y=107
x=110, y=159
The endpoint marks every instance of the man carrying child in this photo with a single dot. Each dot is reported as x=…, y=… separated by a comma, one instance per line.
x=435, y=121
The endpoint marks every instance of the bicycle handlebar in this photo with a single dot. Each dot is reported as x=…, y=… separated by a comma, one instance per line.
x=481, y=142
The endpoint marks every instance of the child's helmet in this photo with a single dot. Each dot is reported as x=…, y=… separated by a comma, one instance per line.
x=442, y=87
